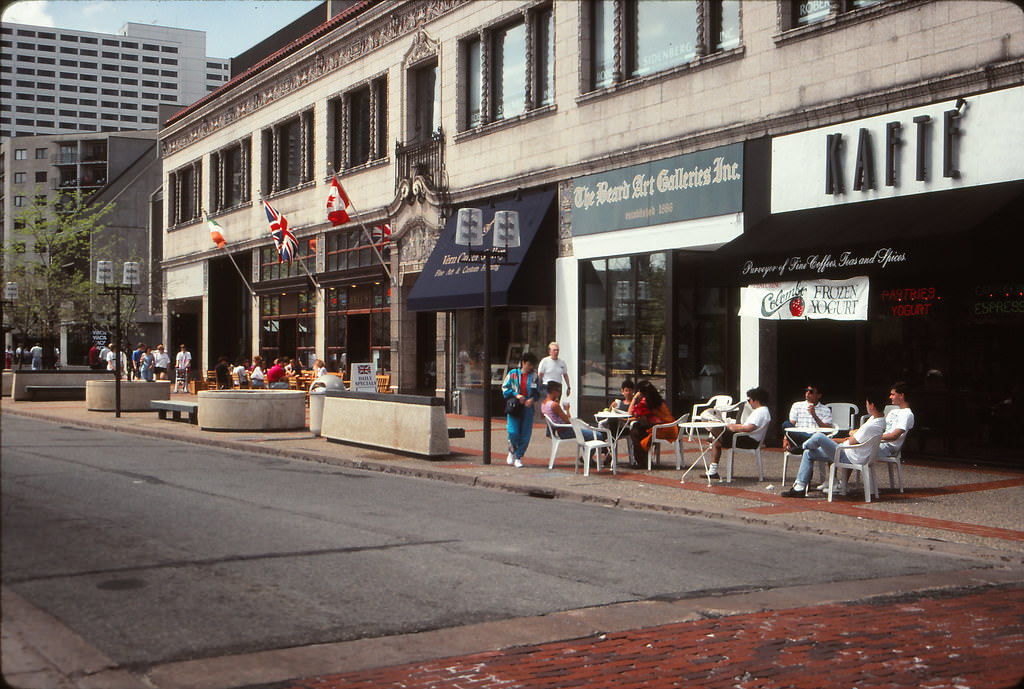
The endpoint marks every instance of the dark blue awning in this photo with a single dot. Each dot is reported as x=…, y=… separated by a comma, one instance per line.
x=446, y=284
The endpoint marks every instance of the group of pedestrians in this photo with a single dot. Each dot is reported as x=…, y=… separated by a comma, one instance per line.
x=33, y=356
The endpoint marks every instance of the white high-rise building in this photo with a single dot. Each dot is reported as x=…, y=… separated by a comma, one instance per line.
x=63, y=81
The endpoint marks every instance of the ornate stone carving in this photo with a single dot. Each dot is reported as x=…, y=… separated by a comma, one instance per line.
x=316, y=65
x=423, y=47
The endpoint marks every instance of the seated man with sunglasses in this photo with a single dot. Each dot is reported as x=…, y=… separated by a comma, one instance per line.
x=810, y=413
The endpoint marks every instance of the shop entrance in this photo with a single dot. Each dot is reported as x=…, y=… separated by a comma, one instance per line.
x=822, y=352
x=357, y=341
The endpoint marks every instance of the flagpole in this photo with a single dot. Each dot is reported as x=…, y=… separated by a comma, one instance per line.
x=302, y=264
x=369, y=237
x=224, y=248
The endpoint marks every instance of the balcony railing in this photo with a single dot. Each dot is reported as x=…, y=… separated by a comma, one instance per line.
x=421, y=158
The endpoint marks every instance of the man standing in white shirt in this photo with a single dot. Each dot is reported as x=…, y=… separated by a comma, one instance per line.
x=551, y=368
x=898, y=422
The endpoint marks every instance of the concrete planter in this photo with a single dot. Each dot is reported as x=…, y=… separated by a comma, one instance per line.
x=406, y=423
x=100, y=395
x=252, y=410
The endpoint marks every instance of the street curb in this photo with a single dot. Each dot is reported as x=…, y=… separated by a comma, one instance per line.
x=540, y=491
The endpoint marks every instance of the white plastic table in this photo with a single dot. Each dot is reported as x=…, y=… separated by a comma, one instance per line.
x=710, y=427
x=619, y=429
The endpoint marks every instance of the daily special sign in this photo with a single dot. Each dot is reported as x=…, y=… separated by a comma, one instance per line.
x=838, y=300
x=694, y=185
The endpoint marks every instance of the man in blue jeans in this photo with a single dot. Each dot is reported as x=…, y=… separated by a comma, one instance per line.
x=819, y=447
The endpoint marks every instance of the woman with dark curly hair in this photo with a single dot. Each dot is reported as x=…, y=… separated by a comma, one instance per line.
x=648, y=410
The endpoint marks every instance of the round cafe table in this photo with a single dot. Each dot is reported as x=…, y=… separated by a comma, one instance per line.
x=714, y=432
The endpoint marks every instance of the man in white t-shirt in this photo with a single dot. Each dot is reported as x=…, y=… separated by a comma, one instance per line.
x=551, y=368
x=898, y=422
x=821, y=448
x=756, y=425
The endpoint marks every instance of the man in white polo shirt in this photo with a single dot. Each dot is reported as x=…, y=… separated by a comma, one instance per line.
x=553, y=368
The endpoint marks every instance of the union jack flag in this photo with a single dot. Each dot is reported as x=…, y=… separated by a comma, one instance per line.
x=284, y=240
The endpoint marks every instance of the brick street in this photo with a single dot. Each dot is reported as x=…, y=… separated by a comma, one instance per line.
x=965, y=639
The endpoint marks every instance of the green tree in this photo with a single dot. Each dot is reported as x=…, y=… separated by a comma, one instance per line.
x=49, y=255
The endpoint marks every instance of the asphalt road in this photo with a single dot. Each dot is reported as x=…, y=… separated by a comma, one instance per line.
x=156, y=551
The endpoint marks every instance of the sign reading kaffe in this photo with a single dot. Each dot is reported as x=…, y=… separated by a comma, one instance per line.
x=685, y=187
x=954, y=144
x=838, y=300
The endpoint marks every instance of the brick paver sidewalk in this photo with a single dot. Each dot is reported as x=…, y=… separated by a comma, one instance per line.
x=959, y=639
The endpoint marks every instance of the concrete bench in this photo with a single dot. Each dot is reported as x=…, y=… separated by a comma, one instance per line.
x=55, y=392
x=176, y=409
x=386, y=421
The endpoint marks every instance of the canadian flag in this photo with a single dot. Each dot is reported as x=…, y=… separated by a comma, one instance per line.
x=338, y=205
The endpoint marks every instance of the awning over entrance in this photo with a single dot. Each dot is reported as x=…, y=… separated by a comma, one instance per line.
x=447, y=284
x=962, y=230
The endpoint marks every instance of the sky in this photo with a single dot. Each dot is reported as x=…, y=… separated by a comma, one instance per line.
x=231, y=26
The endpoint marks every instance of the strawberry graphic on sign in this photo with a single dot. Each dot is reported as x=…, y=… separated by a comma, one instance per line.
x=796, y=306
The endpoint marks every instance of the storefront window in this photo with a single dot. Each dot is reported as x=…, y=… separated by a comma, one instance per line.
x=358, y=326
x=516, y=330
x=624, y=326
x=287, y=327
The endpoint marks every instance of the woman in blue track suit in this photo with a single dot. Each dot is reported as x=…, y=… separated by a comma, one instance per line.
x=521, y=383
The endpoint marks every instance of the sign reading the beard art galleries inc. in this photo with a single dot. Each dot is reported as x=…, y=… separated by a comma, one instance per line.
x=685, y=187
x=838, y=300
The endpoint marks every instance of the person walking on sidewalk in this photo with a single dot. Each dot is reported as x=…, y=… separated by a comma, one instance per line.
x=821, y=448
x=520, y=384
x=182, y=363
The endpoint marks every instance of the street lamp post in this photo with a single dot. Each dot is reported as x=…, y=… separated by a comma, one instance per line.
x=129, y=278
x=469, y=232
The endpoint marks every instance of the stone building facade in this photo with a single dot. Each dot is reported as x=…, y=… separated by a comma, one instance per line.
x=426, y=106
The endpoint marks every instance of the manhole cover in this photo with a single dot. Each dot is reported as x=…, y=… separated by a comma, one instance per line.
x=121, y=584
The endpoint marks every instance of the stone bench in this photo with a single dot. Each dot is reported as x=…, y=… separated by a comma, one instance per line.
x=101, y=395
x=55, y=392
x=191, y=409
x=404, y=423
x=252, y=410
x=20, y=380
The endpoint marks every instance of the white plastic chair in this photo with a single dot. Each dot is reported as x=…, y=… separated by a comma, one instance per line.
x=586, y=448
x=797, y=451
x=843, y=415
x=865, y=468
x=757, y=451
x=676, y=445
x=720, y=403
x=557, y=440
x=894, y=462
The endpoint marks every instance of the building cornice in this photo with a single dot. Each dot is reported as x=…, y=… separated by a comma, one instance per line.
x=382, y=26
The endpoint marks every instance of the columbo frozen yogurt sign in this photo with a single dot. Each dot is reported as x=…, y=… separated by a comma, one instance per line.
x=962, y=142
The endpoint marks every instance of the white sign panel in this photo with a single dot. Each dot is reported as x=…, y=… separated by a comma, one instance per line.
x=838, y=300
x=949, y=145
x=363, y=377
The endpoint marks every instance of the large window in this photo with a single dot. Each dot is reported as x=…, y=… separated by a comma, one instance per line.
x=359, y=125
x=358, y=326
x=624, y=323
x=799, y=13
x=637, y=38
x=425, y=117
x=350, y=249
x=287, y=327
x=288, y=153
x=230, y=169
x=272, y=268
x=184, y=185
x=507, y=70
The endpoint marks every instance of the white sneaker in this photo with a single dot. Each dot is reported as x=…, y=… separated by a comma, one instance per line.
x=518, y=464
x=510, y=459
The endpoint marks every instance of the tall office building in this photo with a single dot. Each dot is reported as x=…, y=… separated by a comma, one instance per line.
x=62, y=81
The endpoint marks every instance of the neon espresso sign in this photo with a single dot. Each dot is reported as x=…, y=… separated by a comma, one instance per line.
x=822, y=264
